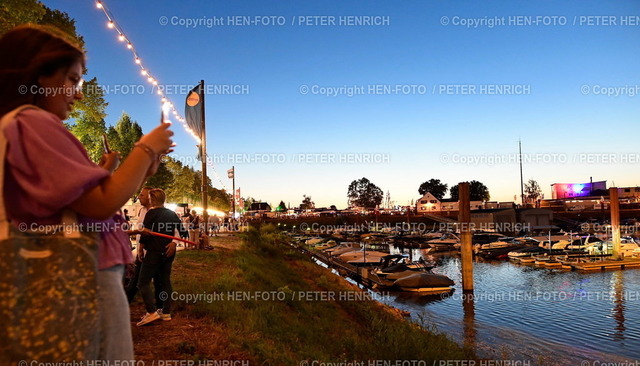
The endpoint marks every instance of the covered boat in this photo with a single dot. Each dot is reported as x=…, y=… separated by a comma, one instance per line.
x=424, y=282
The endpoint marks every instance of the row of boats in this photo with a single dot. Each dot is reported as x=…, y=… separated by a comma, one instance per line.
x=387, y=271
x=575, y=246
x=397, y=271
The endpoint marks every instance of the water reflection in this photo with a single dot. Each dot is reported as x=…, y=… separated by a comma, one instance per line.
x=469, y=319
x=536, y=312
x=412, y=298
x=618, y=305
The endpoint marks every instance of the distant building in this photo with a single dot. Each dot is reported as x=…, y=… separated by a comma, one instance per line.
x=258, y=209
x=535, y=219
x=571, y=190
x=494, y=204
x=511, y=221
x=587, y=196
x=499, y=219
x=428, y=203
x=629, y=193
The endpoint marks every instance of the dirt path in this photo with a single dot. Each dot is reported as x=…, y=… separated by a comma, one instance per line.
x=186, y=336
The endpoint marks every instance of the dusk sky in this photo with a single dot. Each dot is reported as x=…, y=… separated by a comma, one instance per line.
x=431, y=89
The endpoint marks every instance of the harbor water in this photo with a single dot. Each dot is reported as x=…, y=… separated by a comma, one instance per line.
x=545, y=316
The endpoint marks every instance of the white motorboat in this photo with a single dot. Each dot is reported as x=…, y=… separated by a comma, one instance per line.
x=447, y=242
x=362, y=257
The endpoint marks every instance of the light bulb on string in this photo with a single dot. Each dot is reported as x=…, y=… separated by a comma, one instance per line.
x=166, y=104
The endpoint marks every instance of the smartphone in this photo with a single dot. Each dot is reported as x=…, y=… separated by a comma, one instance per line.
x=105, y=144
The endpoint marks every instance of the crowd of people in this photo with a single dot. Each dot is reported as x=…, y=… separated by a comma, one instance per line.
x=48, y=177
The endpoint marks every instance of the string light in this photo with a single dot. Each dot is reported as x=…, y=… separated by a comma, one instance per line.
x=112, y=24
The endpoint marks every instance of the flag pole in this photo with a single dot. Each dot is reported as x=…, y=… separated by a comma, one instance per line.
x=234, y=191
x=203, y=155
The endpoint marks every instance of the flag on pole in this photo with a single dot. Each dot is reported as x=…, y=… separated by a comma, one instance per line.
x=230, y=173
x=193, y=110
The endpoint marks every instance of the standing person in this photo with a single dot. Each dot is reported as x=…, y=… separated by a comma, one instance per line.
x=48, y=171
x=194, y=228
x=186, y=220
x=132, y=286
x=159, y=255
x=131, y=289
x=214, y=225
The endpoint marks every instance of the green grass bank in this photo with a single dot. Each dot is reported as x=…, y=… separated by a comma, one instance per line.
x=259, y=300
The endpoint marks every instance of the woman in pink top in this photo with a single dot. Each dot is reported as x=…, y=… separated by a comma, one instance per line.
x=47, y=170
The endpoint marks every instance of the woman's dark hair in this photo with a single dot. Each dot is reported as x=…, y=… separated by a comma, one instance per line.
x=29, y=52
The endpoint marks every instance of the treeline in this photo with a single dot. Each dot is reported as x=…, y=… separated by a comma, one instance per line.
x=87, y=122
x=363, y=193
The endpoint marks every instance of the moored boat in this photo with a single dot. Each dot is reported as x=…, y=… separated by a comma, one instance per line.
x=424, y=283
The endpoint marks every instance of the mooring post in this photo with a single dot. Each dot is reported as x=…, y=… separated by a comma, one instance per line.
x=464, y=222
x=614, y=206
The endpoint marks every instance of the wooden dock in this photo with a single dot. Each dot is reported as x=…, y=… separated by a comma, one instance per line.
x=361, y=275
x=606, y=265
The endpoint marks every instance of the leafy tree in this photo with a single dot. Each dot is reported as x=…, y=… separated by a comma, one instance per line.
x=93, y=104
x=197, y=185
x=363, y=193
x=183, y=184
x=63, y=22
x=307, y=203
x=435, y=187
x=180, y=188
x=219, y=200
x=16, y=12
x=89, y=132
x=162, y=179
x=249, y=201
x=532, y=191
x=281, y=207
x=88, y=112
x=477, y=192
x=124, y=135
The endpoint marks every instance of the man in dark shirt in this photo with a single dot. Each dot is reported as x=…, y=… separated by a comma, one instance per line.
x=160, y=253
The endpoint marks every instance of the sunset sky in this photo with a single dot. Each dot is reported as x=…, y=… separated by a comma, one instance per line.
x=307, y=99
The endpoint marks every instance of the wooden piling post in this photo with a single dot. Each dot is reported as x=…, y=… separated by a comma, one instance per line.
x=614, y=206
x=464, y=220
